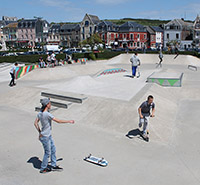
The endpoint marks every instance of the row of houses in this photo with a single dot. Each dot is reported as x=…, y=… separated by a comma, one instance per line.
x=34, y=32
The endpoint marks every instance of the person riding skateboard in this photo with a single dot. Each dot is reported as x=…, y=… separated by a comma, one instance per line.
x=45, y=136
x=146, y=110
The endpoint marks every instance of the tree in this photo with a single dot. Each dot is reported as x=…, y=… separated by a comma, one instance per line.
x=95, y=39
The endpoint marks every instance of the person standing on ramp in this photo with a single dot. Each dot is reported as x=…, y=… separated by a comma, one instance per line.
x=161, y=59
x=146, y=110
x=135, y=63
x=12, y=73
x=45, y=136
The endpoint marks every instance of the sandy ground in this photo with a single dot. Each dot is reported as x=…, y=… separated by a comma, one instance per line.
x=106, y=125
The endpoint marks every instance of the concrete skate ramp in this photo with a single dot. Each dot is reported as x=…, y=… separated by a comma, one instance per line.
x=102, y=123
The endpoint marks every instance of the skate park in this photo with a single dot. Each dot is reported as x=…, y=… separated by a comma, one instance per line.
x=106, y=122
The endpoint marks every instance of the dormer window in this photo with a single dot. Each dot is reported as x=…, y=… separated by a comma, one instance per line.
x=87, y=23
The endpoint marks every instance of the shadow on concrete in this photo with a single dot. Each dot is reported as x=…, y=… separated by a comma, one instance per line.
x=129, y=76
x=37, y=162
x=133, y=133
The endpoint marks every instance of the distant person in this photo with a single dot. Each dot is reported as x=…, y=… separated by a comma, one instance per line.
x=53, y=58
x=48, y=60
x=41, y=62
x=135, y=63
x=161, y=59
x=146, y=110
x=13, y=73
x=45, y=136
x=176, y=52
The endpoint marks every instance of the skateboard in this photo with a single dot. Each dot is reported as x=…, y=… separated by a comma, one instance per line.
x=96, y=160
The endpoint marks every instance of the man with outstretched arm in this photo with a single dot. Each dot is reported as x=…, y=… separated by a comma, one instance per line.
x=45, y=135
x=146, y=110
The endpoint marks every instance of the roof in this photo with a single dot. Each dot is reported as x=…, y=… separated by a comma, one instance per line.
x=95, y=19
x=150, y=30
x=157, y=28
x=179, y=22
x=132, y=26
x=70, y=27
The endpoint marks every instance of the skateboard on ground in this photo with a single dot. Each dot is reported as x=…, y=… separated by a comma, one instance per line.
x=96, y=160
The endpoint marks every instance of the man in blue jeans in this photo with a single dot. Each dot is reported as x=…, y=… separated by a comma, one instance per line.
x=135, y=63
x=45, y=135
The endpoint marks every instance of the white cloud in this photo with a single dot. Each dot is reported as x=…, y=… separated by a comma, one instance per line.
x=189, y=12
x=57, y=3
x=114, y=2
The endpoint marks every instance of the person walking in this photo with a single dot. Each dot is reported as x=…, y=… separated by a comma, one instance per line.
x=161, y=59
x=135, y=63
x=45, y=136
x=53, y=58
x=176, y=52
x=12, y=73
x=146, y=110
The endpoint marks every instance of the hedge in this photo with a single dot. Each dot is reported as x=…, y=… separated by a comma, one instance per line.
x=98, y=56
x=27, y=59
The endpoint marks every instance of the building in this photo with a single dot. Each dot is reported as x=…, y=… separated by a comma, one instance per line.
x=155, y=37
x=70, y=35
x=108, y=33
x=178, y=32
x=54, y=34
x=196, y=32
x=6, y=18
x=89, y=26
x=32, y=32
x=10, y=35
x=132, y=35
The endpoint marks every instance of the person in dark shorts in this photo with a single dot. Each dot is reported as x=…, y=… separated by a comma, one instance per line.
x=146, y=110
x=45, y=136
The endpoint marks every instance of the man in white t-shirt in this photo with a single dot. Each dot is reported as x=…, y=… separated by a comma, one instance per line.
x=12, y=73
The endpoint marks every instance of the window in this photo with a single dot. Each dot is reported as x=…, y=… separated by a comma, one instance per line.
x=138, y=44
x=167, y=35
x=145, y=36
x=90, y=29
x=83, y=30
x=138, y=36
x=132, y=37
x=177, y=36
x=86, y=23
x=131, y=44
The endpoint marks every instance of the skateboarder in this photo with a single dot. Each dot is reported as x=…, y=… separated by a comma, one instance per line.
x=161, y=59
x=12, y=73
x=146, y=110
x=135, y=63
x=176, y=52
x=45, y=136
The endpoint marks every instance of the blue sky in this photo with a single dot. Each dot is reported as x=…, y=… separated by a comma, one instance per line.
x=74, y=10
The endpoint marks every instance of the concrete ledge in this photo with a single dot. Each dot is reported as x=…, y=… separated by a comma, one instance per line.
x=166, y=79
x=57, y=104
x=61, y=97
x=192, y=67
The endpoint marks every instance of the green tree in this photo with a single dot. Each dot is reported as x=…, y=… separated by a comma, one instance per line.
x=95, y=39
